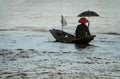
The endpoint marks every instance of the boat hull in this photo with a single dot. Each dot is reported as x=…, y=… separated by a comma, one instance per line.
x=65, y=37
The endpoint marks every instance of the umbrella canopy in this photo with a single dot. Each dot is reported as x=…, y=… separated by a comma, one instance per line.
x=88, y=14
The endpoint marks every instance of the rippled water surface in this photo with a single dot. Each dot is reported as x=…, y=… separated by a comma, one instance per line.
x=25, y=38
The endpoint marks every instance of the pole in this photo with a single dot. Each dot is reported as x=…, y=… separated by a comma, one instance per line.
x=62, y=26
x=88, y=23
x=62, y=21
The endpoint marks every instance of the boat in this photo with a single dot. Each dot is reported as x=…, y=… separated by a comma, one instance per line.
x=62, y=36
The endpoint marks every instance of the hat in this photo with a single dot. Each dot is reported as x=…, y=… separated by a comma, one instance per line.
x=83, y=20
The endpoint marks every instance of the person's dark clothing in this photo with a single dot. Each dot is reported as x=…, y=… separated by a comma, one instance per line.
x=82, y=30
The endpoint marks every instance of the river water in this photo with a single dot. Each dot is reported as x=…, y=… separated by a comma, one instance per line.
x=25, y=25
x=23, y=16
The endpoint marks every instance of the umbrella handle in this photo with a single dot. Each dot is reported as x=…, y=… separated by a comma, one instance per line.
x=88, y=23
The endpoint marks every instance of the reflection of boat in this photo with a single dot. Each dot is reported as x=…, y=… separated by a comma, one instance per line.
x=65, y=37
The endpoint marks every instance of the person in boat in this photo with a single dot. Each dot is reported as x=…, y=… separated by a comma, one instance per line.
x=82, y=29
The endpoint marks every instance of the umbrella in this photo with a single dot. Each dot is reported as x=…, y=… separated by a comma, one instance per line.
x=88, y=14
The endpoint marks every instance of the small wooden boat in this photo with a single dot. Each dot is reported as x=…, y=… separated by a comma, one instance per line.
x=65, y=37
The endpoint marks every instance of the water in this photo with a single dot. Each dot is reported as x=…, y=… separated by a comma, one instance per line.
x=25, y=25
x=46, y=14
x=43, y=15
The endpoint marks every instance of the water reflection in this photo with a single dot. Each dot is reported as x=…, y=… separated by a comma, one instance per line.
x=82, y=46
x=79, y=46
